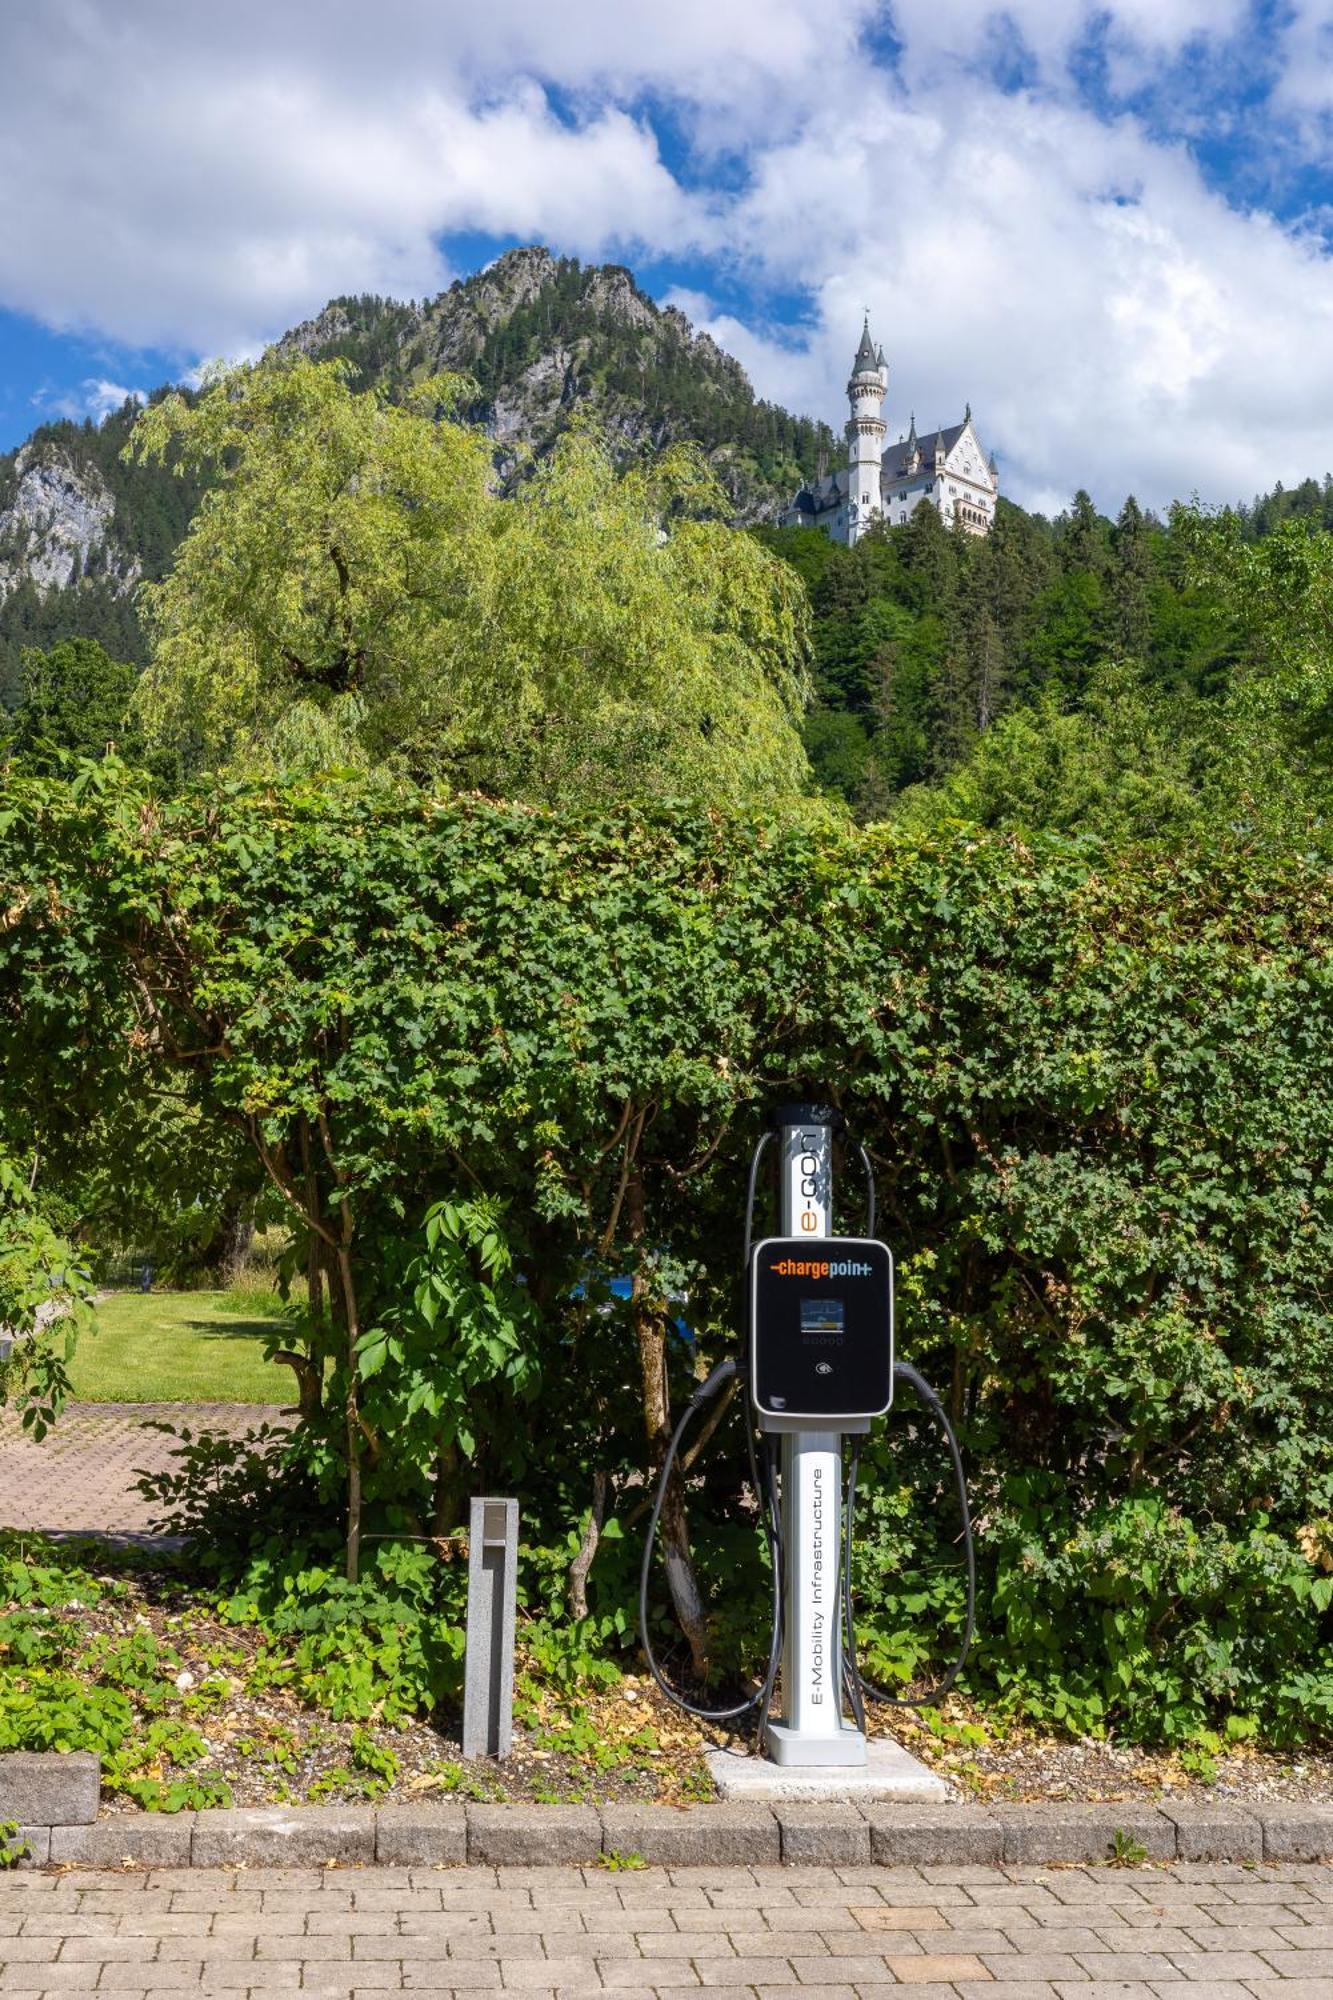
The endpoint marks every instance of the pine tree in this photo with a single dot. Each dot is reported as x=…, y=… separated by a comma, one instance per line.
x=1131, y=573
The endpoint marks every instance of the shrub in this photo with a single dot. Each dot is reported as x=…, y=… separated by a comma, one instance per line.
x=1096, y=1093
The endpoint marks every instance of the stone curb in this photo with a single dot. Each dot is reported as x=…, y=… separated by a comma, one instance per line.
x=794, y=1833
x=49, y=1787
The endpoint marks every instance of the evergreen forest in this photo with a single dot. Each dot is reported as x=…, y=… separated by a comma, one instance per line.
x=945, y=663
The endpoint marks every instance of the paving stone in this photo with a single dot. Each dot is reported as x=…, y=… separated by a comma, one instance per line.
x=869, y=1968
x=1003, y=1989
x=49, y=1787
x=658, y=1973
x=834, y=1835
x=1214, y=1833
x=922, y=1836
x=1296, y=1833
x=712, y=1836
x=82, y=1477
x=939, y=1966
x=899, y=1916
x=743, y=1972
x=142, y=1840
x=421, y=1835
x=527, y=1836
x=260, y=1835
x=543, y=1973
x=1212, y=1968
x=1078, y=1832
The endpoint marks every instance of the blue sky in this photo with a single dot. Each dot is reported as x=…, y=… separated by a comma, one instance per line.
x=1108, y=226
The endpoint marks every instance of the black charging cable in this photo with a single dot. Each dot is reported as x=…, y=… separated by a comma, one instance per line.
x=711, y=1386
x=859, y=1687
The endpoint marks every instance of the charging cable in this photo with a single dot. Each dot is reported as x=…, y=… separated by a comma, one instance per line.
x=858, y=1686
x=707, y=1389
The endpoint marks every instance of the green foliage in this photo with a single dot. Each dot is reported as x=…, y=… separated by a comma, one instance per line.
x=13, y=1847
x=352, y=590
x=1095, y=1089
x=73, y=701
x=453, y=1355
x=46, y=1303
x=1072, y=674
x=228, y=1493
x=389, y=1646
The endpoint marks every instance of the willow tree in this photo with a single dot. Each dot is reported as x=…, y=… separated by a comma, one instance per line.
x=353, y=590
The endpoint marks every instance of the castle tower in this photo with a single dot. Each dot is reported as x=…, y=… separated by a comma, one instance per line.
x=865, y=435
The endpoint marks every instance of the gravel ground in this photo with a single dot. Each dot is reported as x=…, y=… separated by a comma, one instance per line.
x=624, y=1746
x=1020, y=1766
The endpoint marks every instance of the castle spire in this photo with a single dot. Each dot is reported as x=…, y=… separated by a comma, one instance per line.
x=865, y=437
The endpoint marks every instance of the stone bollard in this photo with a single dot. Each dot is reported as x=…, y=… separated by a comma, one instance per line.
x=488, y=1688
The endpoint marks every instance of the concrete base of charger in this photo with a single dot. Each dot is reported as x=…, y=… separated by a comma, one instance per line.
x=890, y=1774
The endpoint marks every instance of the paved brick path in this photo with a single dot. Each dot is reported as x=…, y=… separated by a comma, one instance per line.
x=946, y=1933
x=80, y=1479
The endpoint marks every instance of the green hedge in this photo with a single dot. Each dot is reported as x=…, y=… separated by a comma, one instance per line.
x=1098, y=1091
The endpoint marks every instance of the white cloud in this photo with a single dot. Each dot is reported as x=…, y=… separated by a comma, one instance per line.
x=1306, y=84
x=201, y=190
x=1051, y=29
x=201, y=178
x=102, y=398
x=95, y=397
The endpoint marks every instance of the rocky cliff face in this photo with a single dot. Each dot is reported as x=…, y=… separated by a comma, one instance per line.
x=543, y=337
x=57, y=524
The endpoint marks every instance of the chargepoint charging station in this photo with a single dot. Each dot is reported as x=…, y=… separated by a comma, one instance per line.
x=820, y=1368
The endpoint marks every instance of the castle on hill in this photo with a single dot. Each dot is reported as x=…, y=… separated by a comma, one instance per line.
x=884, y=483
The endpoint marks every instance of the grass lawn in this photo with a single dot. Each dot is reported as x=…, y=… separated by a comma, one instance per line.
x=179, y=1347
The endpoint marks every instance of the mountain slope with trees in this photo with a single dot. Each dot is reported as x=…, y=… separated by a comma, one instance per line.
x=547, y=342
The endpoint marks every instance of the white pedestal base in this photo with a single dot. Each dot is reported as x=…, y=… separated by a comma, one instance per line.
x=889, y=1773
x=794, y=1748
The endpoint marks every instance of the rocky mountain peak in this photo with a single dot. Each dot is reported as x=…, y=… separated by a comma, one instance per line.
x=57, y=517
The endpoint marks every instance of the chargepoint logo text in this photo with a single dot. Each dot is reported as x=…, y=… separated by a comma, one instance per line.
x=819, y=1267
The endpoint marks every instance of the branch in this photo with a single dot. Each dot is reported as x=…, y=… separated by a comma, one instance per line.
x=252, y=1126
x=631, y=1146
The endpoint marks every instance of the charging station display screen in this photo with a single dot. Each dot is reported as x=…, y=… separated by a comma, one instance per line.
x=823, y=1321
x=821, y=1328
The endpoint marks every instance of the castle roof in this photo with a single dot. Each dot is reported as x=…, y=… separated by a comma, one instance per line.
x=897, y=457
x=865, y=353
x=820, y=495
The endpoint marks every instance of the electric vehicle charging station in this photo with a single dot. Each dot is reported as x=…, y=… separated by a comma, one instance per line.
x=820, y=1368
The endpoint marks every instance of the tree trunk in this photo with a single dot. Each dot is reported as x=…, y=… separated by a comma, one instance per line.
x=577, y=1593
x=238, y=1234
x=448, y=1510
x=674, y=1527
